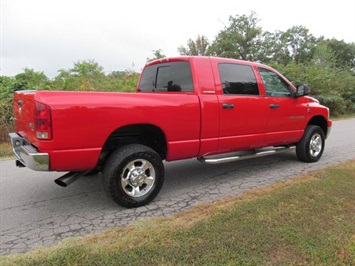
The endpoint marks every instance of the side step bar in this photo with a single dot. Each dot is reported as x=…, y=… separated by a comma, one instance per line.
x=256, y=154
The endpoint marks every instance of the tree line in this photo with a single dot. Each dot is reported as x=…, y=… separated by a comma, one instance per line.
x=244, y=39
x=327, y=66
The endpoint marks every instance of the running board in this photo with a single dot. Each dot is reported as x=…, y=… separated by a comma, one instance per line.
x=245, y=156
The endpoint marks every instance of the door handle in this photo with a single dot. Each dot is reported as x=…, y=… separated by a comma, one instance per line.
x=274, y=106
x=227, y=106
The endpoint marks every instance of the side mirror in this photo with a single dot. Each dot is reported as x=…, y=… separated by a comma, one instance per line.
x=302, y=90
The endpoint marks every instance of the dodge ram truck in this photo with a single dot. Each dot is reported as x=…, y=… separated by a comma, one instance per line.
x=213, y=109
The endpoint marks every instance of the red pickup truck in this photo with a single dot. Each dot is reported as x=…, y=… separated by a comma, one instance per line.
x=214, y=109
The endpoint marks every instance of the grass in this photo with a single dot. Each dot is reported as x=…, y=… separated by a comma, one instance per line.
x=6, y=150
x=342, y=117
x=309, y=220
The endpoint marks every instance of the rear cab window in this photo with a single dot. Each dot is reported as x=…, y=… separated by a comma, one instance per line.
x=238, y=79
x=167, y=77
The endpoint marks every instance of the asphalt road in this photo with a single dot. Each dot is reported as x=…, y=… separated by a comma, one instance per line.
x=34, y=211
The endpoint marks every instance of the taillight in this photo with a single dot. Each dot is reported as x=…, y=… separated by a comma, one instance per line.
x=43, y=121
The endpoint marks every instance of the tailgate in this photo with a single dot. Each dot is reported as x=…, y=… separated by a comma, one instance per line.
x=24, y=108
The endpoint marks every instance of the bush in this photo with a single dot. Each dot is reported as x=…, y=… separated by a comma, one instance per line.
x=6, y=119
x=334, y=87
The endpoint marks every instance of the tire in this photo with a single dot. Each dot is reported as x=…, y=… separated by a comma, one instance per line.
x=311, y=146
x=133, y=175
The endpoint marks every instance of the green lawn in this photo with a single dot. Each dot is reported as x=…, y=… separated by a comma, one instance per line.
x=6, y=150
x=309, y=220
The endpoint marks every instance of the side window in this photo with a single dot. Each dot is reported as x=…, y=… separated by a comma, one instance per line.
x=274, y=84
x=167, y=77
x=238, y=79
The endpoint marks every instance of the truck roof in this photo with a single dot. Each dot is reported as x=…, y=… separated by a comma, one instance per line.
x=197, y=57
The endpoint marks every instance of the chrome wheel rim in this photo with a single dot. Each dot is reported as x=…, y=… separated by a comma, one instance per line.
x=138, y=178
x=315, y=145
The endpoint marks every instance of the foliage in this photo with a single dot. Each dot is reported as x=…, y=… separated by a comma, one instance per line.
x=198, y=47
x=241, y=39
x=31, y=79
x=122, y=81
x=6, y=150
x=157, y=55
x=299, y=43
x=88, y=75
x=294, y=45
x=333, y=86
x=7, y=86
x=344, y=53
x=84, y=76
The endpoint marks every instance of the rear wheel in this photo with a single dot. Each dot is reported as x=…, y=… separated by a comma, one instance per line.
x=311, y=146
x=133, y=175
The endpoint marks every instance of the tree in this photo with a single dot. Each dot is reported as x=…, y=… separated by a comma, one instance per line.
x=323, y=56
x=84, y=76
x=300, y=43
x=122, y=81
x=274, y=49
x=7, y=85
x=344, y=53
x=198, y=47
x=157, y=55
x=295, y=44
x=31, y=79
x=241, y=39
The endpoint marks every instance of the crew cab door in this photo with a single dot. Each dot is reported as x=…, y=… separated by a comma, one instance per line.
x=243, y=114
x=286, y=114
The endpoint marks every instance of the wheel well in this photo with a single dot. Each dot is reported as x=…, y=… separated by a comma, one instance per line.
x=144, y=134
x=321, y=122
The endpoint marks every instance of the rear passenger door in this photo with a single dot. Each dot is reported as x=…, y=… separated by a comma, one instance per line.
x=243, y=112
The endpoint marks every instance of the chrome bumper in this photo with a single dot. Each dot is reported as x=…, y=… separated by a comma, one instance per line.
x=29, y=155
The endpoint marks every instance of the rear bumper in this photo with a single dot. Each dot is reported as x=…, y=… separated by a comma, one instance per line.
x=29, y=155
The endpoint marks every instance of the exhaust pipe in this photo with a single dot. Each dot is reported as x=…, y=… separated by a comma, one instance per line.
x=19, y=164
x=68, y=178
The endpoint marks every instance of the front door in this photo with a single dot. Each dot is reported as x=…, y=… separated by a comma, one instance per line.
x=286, y=114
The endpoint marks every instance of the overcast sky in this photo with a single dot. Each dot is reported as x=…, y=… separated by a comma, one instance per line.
x=48, y=35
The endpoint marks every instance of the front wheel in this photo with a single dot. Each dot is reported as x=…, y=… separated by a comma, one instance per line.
x=311, y=146
x=133, y=175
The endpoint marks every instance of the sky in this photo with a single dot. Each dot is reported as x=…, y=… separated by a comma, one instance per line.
x=49, y=35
